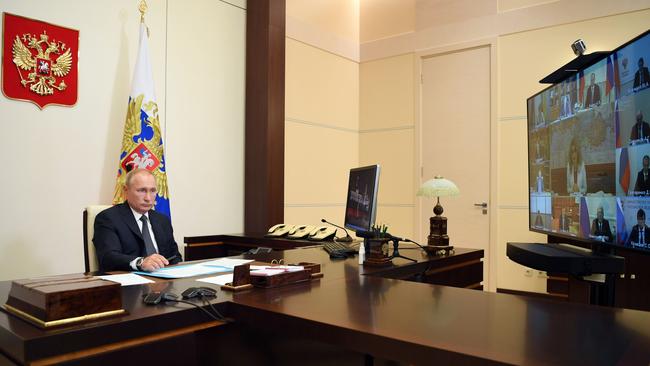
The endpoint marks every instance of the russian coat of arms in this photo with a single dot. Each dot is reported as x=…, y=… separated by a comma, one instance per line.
x=39, y=61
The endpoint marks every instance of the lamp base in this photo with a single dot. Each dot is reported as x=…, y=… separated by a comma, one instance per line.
x=439, y=250
x=438, y=231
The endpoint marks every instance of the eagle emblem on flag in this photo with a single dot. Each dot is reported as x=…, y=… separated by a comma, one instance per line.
x=142, y=144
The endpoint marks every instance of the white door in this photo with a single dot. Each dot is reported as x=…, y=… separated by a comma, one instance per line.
x=455, y=143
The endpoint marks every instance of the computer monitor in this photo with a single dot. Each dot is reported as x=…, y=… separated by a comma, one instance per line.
x=361, y=204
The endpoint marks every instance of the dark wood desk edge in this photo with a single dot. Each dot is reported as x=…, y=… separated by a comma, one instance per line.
x=125, y=344
x=358, y=341
x=28, y=351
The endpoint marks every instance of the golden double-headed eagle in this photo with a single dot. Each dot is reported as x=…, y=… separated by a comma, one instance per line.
x=41, y=78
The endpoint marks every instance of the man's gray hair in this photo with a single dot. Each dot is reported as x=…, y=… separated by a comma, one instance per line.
x=133, y=173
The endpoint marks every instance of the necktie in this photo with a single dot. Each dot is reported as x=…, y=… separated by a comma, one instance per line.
x=642, y=239
x=640, y=131
x=148, y=242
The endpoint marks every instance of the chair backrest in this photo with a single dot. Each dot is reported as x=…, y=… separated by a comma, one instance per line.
x=90, y=257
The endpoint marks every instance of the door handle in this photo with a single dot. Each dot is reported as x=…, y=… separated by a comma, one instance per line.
x=482, y=204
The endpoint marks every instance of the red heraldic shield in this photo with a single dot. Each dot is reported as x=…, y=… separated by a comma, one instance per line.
x=39, y=61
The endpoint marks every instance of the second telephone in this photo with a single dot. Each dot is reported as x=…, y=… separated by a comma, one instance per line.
x=322, y=233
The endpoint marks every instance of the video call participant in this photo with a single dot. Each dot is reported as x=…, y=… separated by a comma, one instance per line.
x=640, y=235
x=642, y=185
x=642, y=76
x=641, y=129
x=593, y=92
x=576, y=174
x=565, y=220
x=538, y=220
x=566, y=106
x=131, y=235
x=600, y=226
x=539, y=118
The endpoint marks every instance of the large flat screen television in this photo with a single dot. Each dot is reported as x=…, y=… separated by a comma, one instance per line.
x=589, y=151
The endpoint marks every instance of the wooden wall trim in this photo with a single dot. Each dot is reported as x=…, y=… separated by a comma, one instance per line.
x=264, y=132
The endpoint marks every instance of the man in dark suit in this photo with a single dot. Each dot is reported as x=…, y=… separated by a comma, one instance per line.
x=640, y=235
x=642, y=76
x=642, y=185
x=131, y=235
x=593, y=92
x=641, y=129
x=600, y=226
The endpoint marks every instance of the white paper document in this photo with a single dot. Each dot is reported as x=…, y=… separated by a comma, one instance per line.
x=127, y=279
x=188, y=270
x=227, y=262
x=218, y=280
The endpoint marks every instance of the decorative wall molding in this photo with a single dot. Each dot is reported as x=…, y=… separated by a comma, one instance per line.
x=316, y=37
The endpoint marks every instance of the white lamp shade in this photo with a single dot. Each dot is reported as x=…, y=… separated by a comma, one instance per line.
x=438, y=187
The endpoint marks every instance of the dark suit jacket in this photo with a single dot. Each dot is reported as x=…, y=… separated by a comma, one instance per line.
x=605, y=231
x=593, y=99
x=118, y=239
x=637, y=77
x=634, y=235
x=645, y=129
x=642, y=185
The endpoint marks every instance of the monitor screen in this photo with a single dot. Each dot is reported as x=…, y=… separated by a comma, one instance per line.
x=361, y=203
x=589, y=151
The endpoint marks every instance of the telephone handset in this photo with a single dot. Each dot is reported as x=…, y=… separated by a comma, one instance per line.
x=301, y=231
x=279, y=230
x=322, y=233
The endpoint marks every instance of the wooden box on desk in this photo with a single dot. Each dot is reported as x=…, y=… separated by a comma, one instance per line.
x=281, y=279
x=62, y=300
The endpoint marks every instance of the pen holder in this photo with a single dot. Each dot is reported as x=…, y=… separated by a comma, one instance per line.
x=377, y=252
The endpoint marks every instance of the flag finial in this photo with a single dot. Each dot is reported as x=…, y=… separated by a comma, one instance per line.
x=142, y=7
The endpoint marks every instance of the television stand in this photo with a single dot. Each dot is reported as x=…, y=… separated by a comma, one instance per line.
x=597, y=269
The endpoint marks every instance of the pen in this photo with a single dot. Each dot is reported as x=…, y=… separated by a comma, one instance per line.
x=172, y=258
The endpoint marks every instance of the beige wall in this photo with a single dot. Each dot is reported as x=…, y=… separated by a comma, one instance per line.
x=59, y=160
x=386, y=18
x=321, y=109
x=386, y=117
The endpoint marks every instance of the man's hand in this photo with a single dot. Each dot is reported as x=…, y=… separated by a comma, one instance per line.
x=154, y=262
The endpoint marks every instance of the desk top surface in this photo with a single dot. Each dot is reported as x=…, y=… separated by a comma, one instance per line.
x=419, y=322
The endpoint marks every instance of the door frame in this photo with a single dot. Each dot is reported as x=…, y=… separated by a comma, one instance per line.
x=490, y=283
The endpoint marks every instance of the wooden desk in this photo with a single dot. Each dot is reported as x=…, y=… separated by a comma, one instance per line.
x=357, y=310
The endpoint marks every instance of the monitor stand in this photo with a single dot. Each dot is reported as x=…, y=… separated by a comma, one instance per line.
x=592, y=266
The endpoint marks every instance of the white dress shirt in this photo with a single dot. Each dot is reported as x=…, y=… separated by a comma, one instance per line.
x=137, y=217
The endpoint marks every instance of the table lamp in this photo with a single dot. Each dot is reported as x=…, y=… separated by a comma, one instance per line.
x=438, y=187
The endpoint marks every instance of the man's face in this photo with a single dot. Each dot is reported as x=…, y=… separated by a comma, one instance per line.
x=640, y=63
x=593, y=79
x=639, y=117
x=646, y=163
x=141, y=193
x=641, y=221
x=600, y=214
